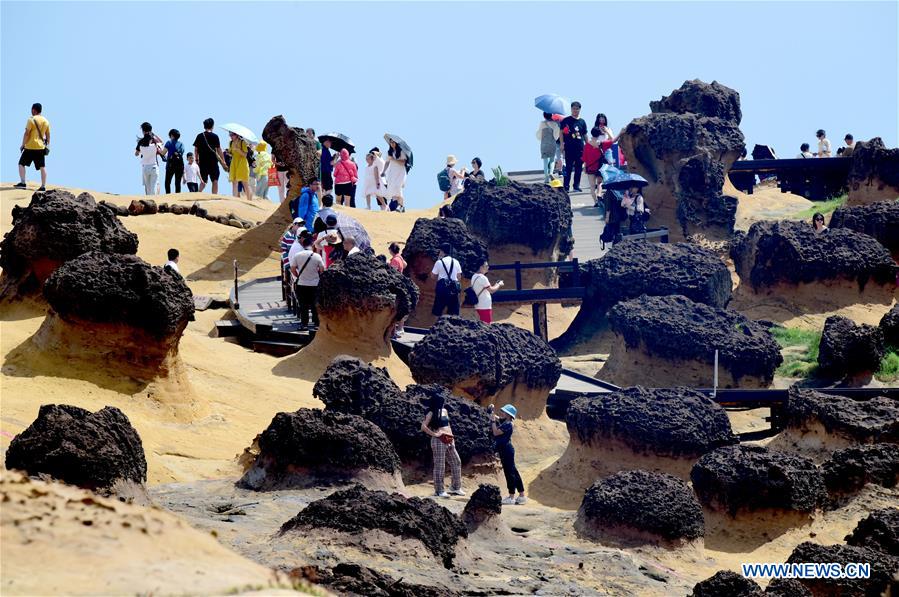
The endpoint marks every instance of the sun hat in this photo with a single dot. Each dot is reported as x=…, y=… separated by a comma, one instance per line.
x=451, y=160
x=261, y=146
x=556, y=183
x=510, y=410
x=299, y=221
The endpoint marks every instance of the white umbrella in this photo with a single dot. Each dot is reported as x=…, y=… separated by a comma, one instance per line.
x=241, y=130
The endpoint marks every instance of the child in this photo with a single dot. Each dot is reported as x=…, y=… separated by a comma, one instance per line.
x=171, y=265
x=502, y=439
x=372, y=181
x=593, y=159
x=636, y=210
x=804, y=152
x=192, y=174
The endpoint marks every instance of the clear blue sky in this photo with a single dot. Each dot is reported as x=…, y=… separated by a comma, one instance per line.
x=450, y=78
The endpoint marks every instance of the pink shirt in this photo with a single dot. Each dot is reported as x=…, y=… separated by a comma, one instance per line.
x=345, y=171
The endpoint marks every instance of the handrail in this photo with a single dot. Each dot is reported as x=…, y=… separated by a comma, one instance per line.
x=573, y=266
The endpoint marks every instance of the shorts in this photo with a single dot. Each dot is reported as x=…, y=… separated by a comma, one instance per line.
x=485, y=315
x=209, y=171
x=33, y=155
x=344, y=188
x=327, y=181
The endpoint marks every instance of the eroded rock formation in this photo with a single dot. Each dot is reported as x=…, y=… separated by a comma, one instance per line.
x=889, y=325
x=874, y=174
x=665, y=341
x=353, y=579
x=879, y=220
x=420, y=253
x=883, y=569
x=357, y=510
x=848, y=348
x=878, y=531
x=635, y=507
x=811, y=413
x=488, y=363
x=685, y=148
x=310, y=447
x=727, y=583
x=56, y=227
x=296, y=150
x=483, y=509
x=850, y=469
x=631, y=269
x=92, y=450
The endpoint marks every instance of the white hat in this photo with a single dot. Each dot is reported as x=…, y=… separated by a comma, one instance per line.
x=299, y=221
x=451, y=160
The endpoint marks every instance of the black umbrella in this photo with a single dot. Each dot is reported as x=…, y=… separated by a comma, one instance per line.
x=338, y=141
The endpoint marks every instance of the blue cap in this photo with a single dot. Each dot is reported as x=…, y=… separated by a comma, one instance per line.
x=510, y=410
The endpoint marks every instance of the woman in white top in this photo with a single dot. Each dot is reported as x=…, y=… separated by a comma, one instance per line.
x=148, y=147
x=456, y=177
x=824, y=150
x=372, y=182
x=483, y=290
x=548, y=134
x=396, y=174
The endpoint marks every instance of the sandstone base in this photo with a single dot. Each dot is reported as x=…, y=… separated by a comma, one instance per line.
x=811, y=440
x=871, y=192
x=625, y=536
x=783, y=301
x=749, y=529
x=303, y=478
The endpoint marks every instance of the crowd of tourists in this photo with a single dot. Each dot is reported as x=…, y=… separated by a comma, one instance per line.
x=825, y=150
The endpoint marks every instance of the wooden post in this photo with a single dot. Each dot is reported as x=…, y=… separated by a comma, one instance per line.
x=236, y=291
x=538, y=311
x=517, y=275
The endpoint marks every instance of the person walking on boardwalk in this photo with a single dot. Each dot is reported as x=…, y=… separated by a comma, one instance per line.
x=574, y=132
x=149, y=148
x=35, y=146
x=483, y=291
x=548, y=134
x=396, y=175
x=443, y=448
x=208, y=150
x=593, y=160
x=502, y=427
x=306, y=266
x=447, y=271
x=174, y=161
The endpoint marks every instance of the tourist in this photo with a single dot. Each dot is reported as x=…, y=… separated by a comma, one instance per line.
x=850, y=146
x=443, y=446
x=239, y=169
x=823, y=144
x=174, y=161
x=297, y=246
x=804, y=151
x=327, y=241
x=602, y=123
x=208, y=150
x=191, y=174
x=149, y=147
x=548, y=133
x=349, y=245
x=306, y=266
x=476, y=174
x=502, y=440
x=371, y=181
x=482, y=289
x=399, y=264
x=445, y=211
x=379, y=166
x=326, y=212
x=305, y=205
x=171, y=265
x=281, y=169
x=288, y=239
x=326, y=166
x=346, y=174
x=574, y=132
x=395, y=171
x=606, y=140
x=818, y=222
x=447, y=271
x=636, y=210
x=593, y=160
x=35, y=146
x=310, y=132
x=263, y=166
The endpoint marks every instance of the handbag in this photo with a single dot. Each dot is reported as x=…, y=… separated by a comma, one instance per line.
x=273, y=176
x=38, y=129
x=446, y=438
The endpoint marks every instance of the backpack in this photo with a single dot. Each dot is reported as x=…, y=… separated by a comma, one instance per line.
x=447, y=286
x=547, y=143
x=471, y=297
x=443, y=180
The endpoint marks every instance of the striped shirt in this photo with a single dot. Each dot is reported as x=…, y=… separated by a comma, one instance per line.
x=286, y=242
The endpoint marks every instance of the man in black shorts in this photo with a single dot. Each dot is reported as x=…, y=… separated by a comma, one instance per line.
x=35, y=146
x=208, y=150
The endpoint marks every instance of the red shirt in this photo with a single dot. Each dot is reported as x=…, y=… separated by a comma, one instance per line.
x=592, y=158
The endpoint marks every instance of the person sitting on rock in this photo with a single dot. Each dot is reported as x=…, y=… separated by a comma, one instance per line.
x=447, y=271
x=818, y=222
x=171, y=265
x=824, y=150
x=288, y=239
x=443, y=446
x=804, y=152
x=501, y=425
x=306, y=204
x=476, y=174
x=306, y=266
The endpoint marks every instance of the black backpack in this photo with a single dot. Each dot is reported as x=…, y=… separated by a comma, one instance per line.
x=447, y=286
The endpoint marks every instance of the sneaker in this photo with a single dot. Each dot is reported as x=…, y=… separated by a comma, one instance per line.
x=521, y=500
x=442, y=494
x=509, y=501
x=20, y=185
x=577, y=190
x=456, y=492
x=42, y=189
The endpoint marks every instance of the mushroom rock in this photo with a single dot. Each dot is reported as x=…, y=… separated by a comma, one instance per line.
x=849, y=349
x=519, y=222
x=670, y=340
x=359, y=511
x=488, y=363
x=310, y=447
x=878, y=531
x=787, y=587
x=420, y=253
x=353, y=579
x=631, y=269
x=874, y=173
x=96, y=451
x=360, y=299
x=639, y=507
x=726, y=583
x=883, y=569
x=879, y=220
x=295, y=149
x=482, y=512
x=55, y=227
x=351, y=386
x=850, y=469
x=685, y=148
x=116, y=313
x=789, y=262
x=816, y=424
x=889, y=325
x=752, y=483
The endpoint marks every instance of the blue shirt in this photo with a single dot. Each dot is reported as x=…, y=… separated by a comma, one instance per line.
x=326, y=160
x=306, y=207
x=174, y=147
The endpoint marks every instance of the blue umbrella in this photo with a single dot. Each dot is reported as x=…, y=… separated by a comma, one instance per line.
x=616, y=179
x=552, y=103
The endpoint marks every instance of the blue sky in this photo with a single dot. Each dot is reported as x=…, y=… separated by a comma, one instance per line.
x=450, y=78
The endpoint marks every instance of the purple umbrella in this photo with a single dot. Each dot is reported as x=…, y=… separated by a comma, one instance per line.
x=350, y=226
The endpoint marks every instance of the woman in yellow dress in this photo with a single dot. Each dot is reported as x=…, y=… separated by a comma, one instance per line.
x=239, y=170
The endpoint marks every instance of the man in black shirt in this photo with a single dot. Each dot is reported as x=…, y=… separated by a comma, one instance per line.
x=208, y=150
x=574, y=133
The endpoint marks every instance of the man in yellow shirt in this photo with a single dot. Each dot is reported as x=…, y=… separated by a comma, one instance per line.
x=35, y=146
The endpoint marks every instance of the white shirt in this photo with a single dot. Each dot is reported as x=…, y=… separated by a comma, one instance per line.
x=452, y=265
x=823, y=148
x=295, y=248
x=309, y=275
x=352, y=251
x=805, y=154
x=192, y=173
x=172, y=265
x=480, y=283
x=148, y=154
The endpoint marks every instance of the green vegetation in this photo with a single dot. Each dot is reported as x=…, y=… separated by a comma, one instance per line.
x=889, y=366
x=800, y=351
x=499, y=177
x=824, y=207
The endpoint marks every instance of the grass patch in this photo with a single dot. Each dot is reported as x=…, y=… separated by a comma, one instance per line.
x=889, y=366
x=824, y=207
x=800, y=351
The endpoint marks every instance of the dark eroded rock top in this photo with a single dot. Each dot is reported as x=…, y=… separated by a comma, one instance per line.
x=879, y=220
x=876, y=419
x=429, y=233
x=362, y=282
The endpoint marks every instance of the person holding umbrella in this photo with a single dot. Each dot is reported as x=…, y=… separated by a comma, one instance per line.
x=397, y=159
